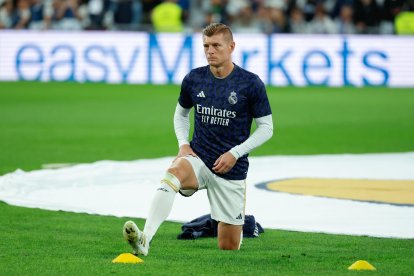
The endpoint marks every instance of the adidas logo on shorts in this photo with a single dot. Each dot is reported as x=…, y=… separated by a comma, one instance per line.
x=239, y=216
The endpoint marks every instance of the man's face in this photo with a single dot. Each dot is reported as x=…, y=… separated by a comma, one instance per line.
x=218, y=49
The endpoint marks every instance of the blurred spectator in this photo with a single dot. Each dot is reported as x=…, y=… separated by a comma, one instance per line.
x=96, y=10
x=336, y=9
x=41, y=15
x=280, y=4
x=22, y=15
x=366, y=16
x=124, y=15
x=344, y=23
x=246, y=20
x=197, y=15
x=233, y=8
x=167, y=17
x=205, y=12
x=276, y=16
x=297, y=23
x=329, y=6
x=147, y=7
x=263, y=16
x=321, y=22
x=185, y=6
x=309, y=9
x=216, y=12
x=66, y=15
x=404, y=23
x=390, y=9
x=6, y=14
x=253, y=16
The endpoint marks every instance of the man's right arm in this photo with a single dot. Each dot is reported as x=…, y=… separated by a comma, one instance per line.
x=182, y=130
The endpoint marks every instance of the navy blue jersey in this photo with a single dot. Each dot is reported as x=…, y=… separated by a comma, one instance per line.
x=223, y=113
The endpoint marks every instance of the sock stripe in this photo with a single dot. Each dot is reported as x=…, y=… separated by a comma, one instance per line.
x=172, y=181
x=169, y=183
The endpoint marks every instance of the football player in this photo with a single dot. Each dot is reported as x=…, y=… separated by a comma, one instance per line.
x=226, y=99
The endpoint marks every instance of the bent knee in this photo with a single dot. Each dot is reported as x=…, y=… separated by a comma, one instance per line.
x=183, y=170
x=229, y=245
x=180, y=168
x=175, y=170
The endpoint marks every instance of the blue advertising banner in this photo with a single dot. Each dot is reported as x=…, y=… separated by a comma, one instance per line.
x=280, y=60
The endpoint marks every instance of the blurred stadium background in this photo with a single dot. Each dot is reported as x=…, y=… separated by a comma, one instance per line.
x=251, y=16
x=79, y=78
x=296, y=43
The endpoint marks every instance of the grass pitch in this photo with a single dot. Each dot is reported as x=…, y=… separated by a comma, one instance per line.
x=44, y=123
x=72, y=123
x=38, y=242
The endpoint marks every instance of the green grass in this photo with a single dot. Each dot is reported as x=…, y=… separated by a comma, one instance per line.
x=38, y=242
x=67, y=122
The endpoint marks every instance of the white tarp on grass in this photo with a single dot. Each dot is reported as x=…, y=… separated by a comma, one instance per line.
x=123, y=188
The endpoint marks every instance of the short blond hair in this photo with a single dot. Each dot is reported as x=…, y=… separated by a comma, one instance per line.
x=218, y=28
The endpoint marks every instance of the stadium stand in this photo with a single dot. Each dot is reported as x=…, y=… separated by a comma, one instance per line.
x=255, y=16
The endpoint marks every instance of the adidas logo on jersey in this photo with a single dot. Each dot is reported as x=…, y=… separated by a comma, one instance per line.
x=239, y=216
x=201, y=94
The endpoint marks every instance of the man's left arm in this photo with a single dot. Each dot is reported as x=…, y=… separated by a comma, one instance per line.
x=263, y=132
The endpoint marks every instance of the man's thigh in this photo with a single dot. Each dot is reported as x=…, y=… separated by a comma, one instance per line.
x=227, y=200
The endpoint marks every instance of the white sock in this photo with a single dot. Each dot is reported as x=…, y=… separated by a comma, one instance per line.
x=161, y=204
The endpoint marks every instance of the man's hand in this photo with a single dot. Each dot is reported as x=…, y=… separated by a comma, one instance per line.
x=224, y=163
x=184, y=151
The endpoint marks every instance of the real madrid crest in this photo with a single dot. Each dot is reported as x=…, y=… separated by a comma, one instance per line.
x=233, y=98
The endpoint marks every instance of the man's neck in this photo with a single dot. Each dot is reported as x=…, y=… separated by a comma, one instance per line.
x=222, y=71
